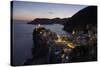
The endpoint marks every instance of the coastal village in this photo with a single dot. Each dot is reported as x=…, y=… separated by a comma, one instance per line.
x=78, y=45
x=59, y=48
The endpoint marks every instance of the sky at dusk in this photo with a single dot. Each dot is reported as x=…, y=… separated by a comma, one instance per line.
x=31, y=10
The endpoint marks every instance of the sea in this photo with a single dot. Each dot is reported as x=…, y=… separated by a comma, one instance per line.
x=22, y=39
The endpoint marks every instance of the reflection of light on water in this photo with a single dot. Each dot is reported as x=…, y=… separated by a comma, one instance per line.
x=57, y=28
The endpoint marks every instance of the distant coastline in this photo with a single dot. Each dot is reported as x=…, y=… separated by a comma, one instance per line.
x=48, y=21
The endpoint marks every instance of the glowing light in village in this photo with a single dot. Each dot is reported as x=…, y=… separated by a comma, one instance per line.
x=70, y=45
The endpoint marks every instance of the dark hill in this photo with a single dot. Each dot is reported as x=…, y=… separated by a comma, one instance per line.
x=86, y=16
x=48, y=21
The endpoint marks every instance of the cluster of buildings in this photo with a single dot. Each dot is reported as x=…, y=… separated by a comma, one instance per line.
x=63, y=46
